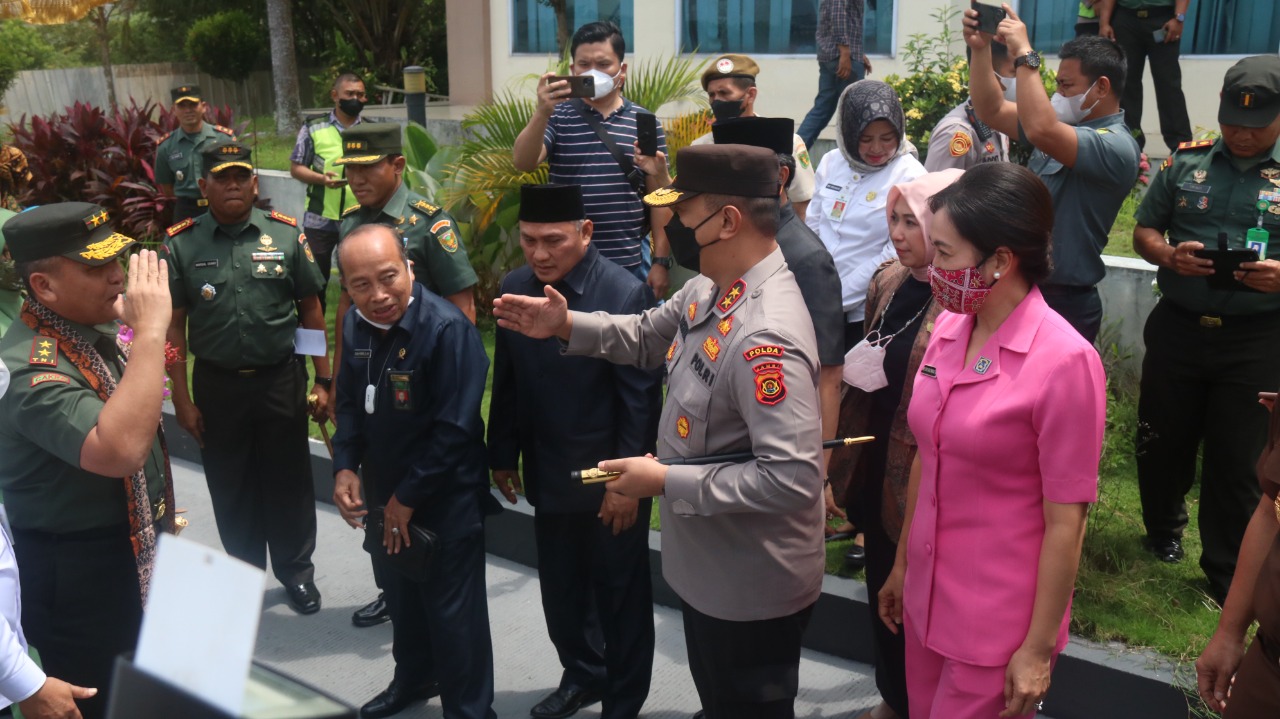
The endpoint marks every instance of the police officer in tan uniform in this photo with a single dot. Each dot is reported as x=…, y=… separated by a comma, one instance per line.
x=742, y=542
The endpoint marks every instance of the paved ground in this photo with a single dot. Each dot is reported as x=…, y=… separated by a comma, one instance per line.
x=355, y=664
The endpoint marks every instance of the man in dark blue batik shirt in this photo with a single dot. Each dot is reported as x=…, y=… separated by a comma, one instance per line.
x=561, y=413
x=409, y=418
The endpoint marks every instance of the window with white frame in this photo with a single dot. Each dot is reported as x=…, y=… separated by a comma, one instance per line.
x=772, y=27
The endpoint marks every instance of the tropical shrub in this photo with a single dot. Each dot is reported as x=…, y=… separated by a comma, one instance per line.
x=226, y=45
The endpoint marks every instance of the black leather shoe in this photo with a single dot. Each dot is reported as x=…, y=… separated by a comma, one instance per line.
x=855, y=558
x=372, y=614
x=700, y=715
x=304, y=598
x=396, y=697
x=1166, y=550
x=563, y=702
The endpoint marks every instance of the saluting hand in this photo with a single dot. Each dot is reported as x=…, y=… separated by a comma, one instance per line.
x=145, y=305
x=1263, y=276
x=508, y=482
x=534, y=316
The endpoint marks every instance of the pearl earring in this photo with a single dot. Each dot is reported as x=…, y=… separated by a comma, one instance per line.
x=997, y=275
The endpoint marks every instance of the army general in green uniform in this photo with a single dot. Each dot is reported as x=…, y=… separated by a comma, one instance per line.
x=82, y=464
x=1210, y=351
x=178, y=156
x=240, y=280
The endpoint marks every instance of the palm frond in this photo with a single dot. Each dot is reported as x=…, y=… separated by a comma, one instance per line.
x=654, y=83
x=491, y=172
x=497, y=123
x=681, y=131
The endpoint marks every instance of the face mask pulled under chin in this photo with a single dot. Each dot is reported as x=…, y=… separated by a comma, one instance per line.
x=604, y=82
x=1071, y=110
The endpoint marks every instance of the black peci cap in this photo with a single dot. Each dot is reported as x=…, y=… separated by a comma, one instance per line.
x=771, y=133
x=551, y=203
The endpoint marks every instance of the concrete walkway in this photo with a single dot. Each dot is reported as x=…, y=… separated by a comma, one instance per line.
x=325, y=650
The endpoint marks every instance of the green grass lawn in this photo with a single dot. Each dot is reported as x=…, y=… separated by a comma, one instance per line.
x=270, y=151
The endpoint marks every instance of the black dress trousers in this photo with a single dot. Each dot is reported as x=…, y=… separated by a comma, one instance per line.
x=597, y=597
x=1136, y=36
x=258, y=465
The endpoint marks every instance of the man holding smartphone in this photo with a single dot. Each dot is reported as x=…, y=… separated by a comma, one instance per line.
x=590, y=142
x=1150, y=29
x=1209, y=352
x=318, y=145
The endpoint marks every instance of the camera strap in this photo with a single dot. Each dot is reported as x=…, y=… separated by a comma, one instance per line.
x=624, y=162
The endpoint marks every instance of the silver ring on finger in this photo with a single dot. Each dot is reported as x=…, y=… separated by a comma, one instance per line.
x=395, y=530
x=1039, y=706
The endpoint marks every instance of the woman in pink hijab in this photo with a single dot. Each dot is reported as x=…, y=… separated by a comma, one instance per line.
x=900, y=314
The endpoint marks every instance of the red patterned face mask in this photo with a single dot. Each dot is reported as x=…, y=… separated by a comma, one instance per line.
x=960, y=291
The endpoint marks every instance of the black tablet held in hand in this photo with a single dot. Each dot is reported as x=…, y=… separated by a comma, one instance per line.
x=1225, y=265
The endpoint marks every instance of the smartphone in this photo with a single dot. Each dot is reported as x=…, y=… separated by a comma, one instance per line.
x=1225, y=265
x=989, y=16
x=340, y=182
x=647, y=133
x=579, y=85
x=1158, y=35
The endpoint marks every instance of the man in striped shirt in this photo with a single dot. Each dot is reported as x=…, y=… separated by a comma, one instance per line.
x=560, y=134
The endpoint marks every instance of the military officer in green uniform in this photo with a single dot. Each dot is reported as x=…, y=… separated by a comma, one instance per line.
x=241, y=279
x=178, y=156
x=1211, y=348
x=373, y=156
x=82, y=461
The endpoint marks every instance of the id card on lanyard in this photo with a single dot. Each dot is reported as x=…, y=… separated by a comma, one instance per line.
x=836, y=214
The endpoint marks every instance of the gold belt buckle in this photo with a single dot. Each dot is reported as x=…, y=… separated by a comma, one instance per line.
x=1210, y=321
x=247, y=372
x=1143, y=13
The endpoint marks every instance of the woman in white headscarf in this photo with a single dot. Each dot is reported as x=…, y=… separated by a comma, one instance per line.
x=851, y=186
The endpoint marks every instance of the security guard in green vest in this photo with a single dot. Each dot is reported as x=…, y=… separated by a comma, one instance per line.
x=82, y=461
x=178, y=156
x=373, y=157
x=1212, y=341
x=319, y=143
x=241, y=278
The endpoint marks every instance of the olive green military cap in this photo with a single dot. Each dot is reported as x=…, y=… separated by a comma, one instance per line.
x=731, y=65
x=185, y=93
x=79, y=231
x=1251, y=92
x=369, y=142
x=224, y=155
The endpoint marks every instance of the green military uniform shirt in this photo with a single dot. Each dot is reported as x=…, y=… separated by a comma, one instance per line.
x=239, y=285
x=47, y=409
x=431, y=238
x=1200, y=192
x=178, y=157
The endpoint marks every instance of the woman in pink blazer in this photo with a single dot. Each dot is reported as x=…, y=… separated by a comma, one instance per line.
x=1008, y=409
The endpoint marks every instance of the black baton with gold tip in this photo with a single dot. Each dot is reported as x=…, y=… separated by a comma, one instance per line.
x=596, y=476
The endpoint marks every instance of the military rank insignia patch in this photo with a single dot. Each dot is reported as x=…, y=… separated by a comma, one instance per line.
x=682, y=427
x=50, y=377
x=400, y=397
x=770, y=387
x=44, y=352
x=961, y=143
x=430, y=209
x=176, y=229
x=281, y=217
x=725, y=326
x=762, y=351
x=711, y=347
x=732, y=296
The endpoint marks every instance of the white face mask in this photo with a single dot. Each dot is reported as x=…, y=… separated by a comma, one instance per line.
x=864, y=366
x=1010, y=87
x=604, y=82
x=1071, y=110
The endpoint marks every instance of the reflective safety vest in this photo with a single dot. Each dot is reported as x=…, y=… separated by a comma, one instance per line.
x=328, y=146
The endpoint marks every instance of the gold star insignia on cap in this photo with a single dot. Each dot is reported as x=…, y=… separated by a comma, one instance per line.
x=95, y=220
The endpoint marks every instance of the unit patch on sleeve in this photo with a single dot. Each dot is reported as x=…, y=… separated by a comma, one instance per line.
x=770, y=388
x=50, y=377
x=961, y=143
x=682, y=427
x=762, y=351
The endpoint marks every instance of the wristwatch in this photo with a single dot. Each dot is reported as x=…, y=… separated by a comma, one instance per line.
x=1031, y=60
x=326, y=382
x=663, y=262
x=1180, y=17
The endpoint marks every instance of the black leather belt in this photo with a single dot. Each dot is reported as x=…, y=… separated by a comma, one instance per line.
x=246, y=372
x=1207, y=320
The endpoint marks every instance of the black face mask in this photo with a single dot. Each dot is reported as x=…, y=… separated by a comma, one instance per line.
x=351, y=107
x=684, y=242
x=726, y=109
